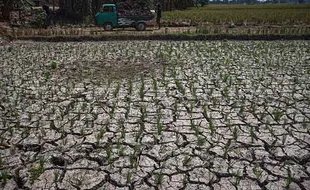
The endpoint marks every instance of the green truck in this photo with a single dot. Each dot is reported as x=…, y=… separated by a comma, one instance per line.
x=110, y=17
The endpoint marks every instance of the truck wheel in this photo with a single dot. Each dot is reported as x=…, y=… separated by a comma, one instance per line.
x=107, y=27
x=141, y=26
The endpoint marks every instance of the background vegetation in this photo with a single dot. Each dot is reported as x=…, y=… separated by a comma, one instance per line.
x=285, y=14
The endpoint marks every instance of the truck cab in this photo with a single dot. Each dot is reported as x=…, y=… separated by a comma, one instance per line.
x=109, y=17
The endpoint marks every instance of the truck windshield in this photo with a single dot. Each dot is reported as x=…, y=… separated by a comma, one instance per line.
x=108, y=9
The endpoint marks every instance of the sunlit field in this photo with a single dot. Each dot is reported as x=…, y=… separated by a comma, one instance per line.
x=286, y=14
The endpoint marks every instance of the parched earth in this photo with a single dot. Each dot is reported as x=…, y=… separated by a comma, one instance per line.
x=155, y=115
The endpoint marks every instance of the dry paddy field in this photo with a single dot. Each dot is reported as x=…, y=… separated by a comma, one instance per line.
x=155, y=115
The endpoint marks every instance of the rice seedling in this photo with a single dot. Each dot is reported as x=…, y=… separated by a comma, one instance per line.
x=100, y=135
x=116, y=91
x=201, y=141
x=142, y=88
x=277, y=115
x=128, y=177
x=56, y=176
x=54, y=64
x=257, y=171
x=155, y=86
x=159, y=178
x=159, y=126
x=4, y=177
x=180, y=87
x=36, y=170
x=108, y=151
x=186, y=161
x=289, y=179
x=212, y=127
x=237, y=178
x=235, y=133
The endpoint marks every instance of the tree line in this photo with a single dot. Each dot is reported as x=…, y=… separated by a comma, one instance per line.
x=78, y=9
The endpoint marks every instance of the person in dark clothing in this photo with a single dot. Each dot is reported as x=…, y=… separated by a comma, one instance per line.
x=48, y=15
x=158, y=17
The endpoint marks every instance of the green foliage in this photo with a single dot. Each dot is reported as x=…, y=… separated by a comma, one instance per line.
x=36, y=170
x=239, y=14
x=108, y=151
x=159, y=126
x=155, y=87
x=4, y=177
x=47, y=75
x=116, y=91
x=186, y=161
x=142, y=88
x=277, y=115
x=257, y=171
x=201, y=141
x=180, y=86
x=212, y=127
x=159, y=178
x=129, y=176
x=54, y=64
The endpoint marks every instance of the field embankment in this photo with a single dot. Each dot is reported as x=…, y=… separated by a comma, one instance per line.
x=211, y=22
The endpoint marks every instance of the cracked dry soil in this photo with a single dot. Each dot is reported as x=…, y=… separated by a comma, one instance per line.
x=155, y=115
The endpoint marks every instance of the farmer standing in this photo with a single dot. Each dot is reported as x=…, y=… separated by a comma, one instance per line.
x=158, y=11
x=48, y=15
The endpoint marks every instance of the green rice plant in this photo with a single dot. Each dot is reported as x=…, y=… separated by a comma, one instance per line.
x=289, y=179
x=277, y=115
x=56, y=176
x=195, y=128
x=185, y=180
x=139, y=132
x=212, y=126
x=241, y=110
x=128, y=177
x=36, y=170
x=284, y=137
x=225, y=92
x=159, y=178
x=143, y=114
x=112, y=109
x=121, y=151
x=252, y=134
x=127, y=110
x=186, y=161
x=117, y=89
x=82, y=132
x=227, y=147
x=123, y=132
x=193, y=90
x=191, y=108
x=4, y=177
x=133, y=161
x=237, y=178
x=142, y=88
x=155, y=87
x=235, y=133
x=118, y=144
x=201, y=141
x=159, y=126
x=54, y=64
x=100, y=135
x=257, y=172
x=180, y=86
x=163, y=75
x=47, y=75
x=108, y=151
